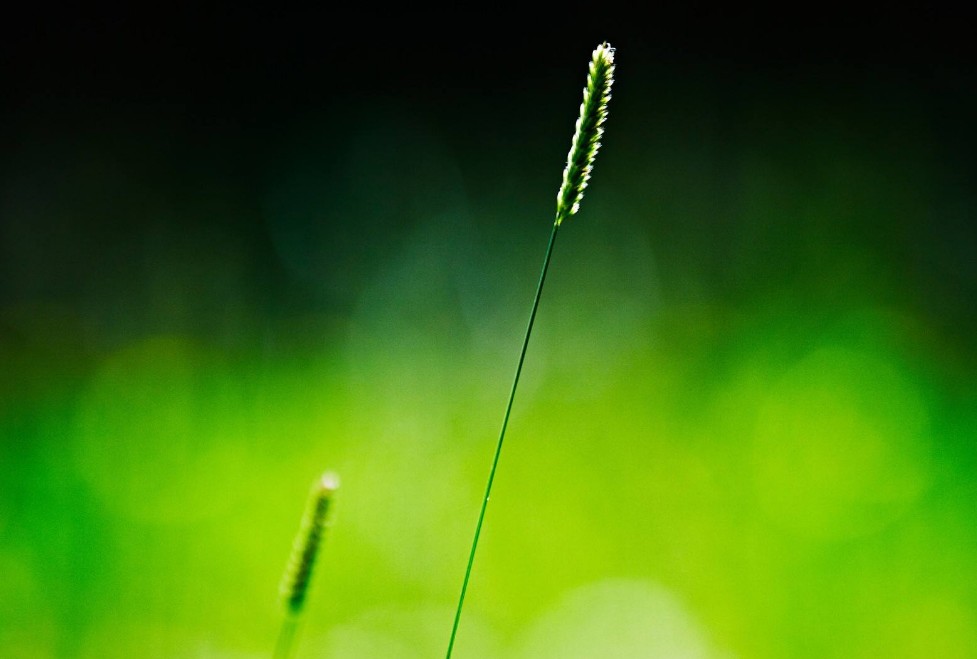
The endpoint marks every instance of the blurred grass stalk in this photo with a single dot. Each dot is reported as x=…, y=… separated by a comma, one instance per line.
x=576, y=175
x=298, y=573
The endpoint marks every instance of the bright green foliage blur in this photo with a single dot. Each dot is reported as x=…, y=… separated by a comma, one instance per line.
x=745, y=425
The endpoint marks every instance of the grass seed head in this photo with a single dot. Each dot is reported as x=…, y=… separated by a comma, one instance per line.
x=298, y=574
x=590, y=128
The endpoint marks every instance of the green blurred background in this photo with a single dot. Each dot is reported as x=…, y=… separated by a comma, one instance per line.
x=239, y=247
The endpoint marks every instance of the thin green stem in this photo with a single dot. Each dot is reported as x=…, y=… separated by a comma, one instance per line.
x=283, y=648
x=498, y=446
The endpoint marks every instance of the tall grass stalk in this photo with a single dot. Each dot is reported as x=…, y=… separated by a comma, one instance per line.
x=305, y=550
x=576, y=175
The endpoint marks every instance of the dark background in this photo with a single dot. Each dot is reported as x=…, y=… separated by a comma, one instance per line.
x=187, y=99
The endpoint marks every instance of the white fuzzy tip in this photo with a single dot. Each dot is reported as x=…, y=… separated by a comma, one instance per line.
x=329, y=482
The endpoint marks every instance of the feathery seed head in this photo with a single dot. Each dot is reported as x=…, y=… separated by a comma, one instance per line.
x=298, y=574
x=589, y=129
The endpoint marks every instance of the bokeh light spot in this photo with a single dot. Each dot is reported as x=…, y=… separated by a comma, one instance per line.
x=617, y=618
x=840, y=444
x=403, y=633
x=159, y=435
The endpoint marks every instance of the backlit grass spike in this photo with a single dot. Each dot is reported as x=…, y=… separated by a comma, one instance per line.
x=298, y=574
x=590, y=128
x=295, y=584
x=580, y=162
